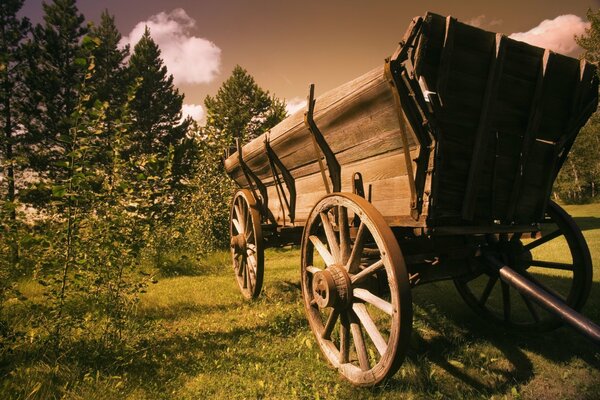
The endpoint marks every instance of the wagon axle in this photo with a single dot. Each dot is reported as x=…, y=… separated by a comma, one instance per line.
x=545, y=299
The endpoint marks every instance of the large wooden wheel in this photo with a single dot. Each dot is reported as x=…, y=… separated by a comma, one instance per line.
x=355, y=289
x=557, y=259
x=247, y=249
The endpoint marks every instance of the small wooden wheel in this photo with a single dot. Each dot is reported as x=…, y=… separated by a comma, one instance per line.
x=247, y=249
x=557, y=259
x=356, y=290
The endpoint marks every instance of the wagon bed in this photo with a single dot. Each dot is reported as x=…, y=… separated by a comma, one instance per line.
x=466, y=128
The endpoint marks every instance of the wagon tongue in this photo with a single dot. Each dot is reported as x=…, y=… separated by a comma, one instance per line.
x=551, y=303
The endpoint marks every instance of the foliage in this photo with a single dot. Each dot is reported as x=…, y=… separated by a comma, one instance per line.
x=241, y=109
x=13, y=32
x=579, y=178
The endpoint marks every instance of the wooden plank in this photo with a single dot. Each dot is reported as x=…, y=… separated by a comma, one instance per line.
x=483, y=129
x=535, y=117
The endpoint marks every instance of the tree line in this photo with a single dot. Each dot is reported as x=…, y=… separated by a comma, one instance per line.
x=103, y=181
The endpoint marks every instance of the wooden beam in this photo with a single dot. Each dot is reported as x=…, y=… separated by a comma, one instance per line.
x=483, y=129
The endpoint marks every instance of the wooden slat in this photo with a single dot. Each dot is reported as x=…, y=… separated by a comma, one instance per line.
x=483, y=129
x=535, y=117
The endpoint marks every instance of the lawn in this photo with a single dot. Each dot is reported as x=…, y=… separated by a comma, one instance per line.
x=198, y=338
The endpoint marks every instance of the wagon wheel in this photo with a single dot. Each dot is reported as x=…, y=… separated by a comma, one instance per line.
x=558, y=260
x=247, y=250
x=356, y=291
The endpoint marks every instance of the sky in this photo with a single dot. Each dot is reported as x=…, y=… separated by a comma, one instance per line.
x=287, y=45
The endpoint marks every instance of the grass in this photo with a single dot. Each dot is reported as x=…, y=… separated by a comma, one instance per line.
x=195, y=337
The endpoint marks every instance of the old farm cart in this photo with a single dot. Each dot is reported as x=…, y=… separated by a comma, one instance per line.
x=437, y=165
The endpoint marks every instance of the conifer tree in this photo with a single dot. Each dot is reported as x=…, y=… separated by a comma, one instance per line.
x=58, y=65
x=241, y=109
x=110, y=84
x=13, y=32
x=159, y=146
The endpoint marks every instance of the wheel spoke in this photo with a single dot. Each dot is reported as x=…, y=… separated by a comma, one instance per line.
x=322, y=250
x=370, y=298
x=344, y=228
x=354, y=261
x=359, y=342
x=541, y=285
x=335, y=313
x=344, y=339
x=506, y=300
x=244, y=273
x=363, y=315
x=542, y=240
x=531, y=308
x=248, y=220
x=332, y=241
x=237, y=225
x=248, y=277
x=239, y=267
x=240, y=219
x=313, y=270
x=250, y=235
x=488, y=289
x=551, y=265
x=366, y=272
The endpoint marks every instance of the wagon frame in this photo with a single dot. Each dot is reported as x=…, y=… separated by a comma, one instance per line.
x=479, y=221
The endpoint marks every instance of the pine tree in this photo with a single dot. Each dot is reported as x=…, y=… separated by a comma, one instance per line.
x=110, y=83
x=13, y=32
x=159, y=147
x=241, y=109
x=58, y=65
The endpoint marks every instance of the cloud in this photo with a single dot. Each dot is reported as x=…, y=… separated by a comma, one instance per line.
x=557, y=34
x=190, y=59
x=477, y=21
x=196, y=111
x=480, y=20
x=295, y=104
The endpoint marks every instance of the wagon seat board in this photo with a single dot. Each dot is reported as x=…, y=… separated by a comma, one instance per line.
x=500, y=115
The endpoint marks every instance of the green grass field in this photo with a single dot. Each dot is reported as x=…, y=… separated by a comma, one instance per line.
x=198, y=339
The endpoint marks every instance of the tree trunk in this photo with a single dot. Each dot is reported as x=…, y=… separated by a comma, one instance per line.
x=10, y=175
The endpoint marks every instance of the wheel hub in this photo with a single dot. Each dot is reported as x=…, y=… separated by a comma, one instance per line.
x=513, y=253
x=238, y=244
x=331, y=287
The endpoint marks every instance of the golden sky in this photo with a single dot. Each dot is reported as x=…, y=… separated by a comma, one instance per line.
x=286, y=45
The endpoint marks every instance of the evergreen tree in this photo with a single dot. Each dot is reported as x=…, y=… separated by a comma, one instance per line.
x=110, y=83
x=159, y=148
x=241, y=109
x=58, y=65
x=13, y=32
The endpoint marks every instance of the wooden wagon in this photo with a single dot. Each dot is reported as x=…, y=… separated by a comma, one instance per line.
x=437, y=165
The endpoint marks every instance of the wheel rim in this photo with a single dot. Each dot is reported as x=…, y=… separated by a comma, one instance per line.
x=355, y=289
x=247, y=251
x=559, y=261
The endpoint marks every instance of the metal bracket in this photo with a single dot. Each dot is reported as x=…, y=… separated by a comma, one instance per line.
x=320, y=143
x=276, y=164
x=258, y=188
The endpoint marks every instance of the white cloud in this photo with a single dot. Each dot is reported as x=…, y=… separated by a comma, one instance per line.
x=481, y=20
x=196, y=111
x=190, y=59
x=557, y=34
x=295, y=104
x=476, y=21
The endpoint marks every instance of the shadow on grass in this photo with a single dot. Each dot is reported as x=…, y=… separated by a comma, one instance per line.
x=457, y=327
x=587, y=223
